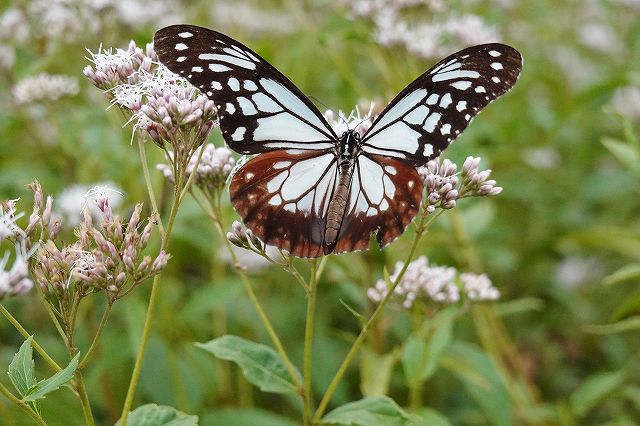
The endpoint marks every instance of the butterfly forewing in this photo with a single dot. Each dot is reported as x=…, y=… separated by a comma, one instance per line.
x=433, y=110
x=259, y=108
x=283, y=196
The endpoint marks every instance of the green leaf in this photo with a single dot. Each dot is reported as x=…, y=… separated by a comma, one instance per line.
x=21, y=370
x=629, y=324
x=245, y=417
x=430, y=417
x=159, y=415
x=260, y=364
x=372, y=411
x=353, y=312
x=40, y=389
x=413, y=354
x=625, y=153
x=480, y=376
x=519, y=306
x=420, y=358
x=595, y=389
x=626, y=273
x=375, y=372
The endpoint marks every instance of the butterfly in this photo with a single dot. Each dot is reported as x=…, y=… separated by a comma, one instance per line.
x=308, y=190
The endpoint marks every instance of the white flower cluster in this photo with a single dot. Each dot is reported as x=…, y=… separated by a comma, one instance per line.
x=354, y=121
x=44, y=87
x=8, y=217
x=74, y=199
x=626, y=102
x=215, y=166
x=122, y=66
x=437, y=283
x=15, y=280
x=251, y=18
x=434, y=37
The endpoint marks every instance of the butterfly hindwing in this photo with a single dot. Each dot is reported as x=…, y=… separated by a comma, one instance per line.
x=283, y=197
x=433, y=110
x=259, y=108
x=384, y=198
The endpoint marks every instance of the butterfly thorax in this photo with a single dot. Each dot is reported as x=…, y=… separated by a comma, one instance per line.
x=347, y=154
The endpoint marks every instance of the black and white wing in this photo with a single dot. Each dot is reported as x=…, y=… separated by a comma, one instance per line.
x=259, y=108
x=433, y=110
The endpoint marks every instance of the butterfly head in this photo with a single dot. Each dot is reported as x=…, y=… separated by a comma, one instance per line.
x=349, y=144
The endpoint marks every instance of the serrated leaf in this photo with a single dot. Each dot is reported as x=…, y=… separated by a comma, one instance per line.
x=594, y=390
x=40, y=389
x=261, y=365
x=21, y=370
x=159, y=415
x=372, y=411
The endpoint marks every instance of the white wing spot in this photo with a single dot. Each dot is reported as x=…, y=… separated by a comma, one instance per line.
x=250, y=85
x=246, y=106
x=265, y=103
x=219, y=68
x=276, y=200
x=249, y=176
x=209, y=93
x=431, y=122
x=461, y=105
x=242, y=63
x=281, y=164
x=494, y=53
x=450, y=75
x=496, y=66
x=461, y=85
x=185, y=34
x=238, y=135
x=389, y=187
x=230, y=108
x=427, y=152
x=446, y=100
x=197, y=69
x=384, y=205
x=216, y=85
x=181, y=59
x=445, y=129
x=432, y=99
x=495, y=79
x=180, y=46
x=390, y=169
x=234, y=84
x=467, y=117
x=480, y=89
x=417, y=116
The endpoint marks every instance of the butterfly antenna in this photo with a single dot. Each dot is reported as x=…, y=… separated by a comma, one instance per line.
x=340, y=115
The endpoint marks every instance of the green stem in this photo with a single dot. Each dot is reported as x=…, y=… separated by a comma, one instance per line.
x=256, y=304
x=25, y=334
x=153, y=300
x=147, y=180
x=308, y=342
x=84, y=399
x=23, y=405
x=94, y=343
x=421, y=228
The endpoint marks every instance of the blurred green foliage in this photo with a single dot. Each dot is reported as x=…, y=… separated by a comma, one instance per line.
x=562, y=242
